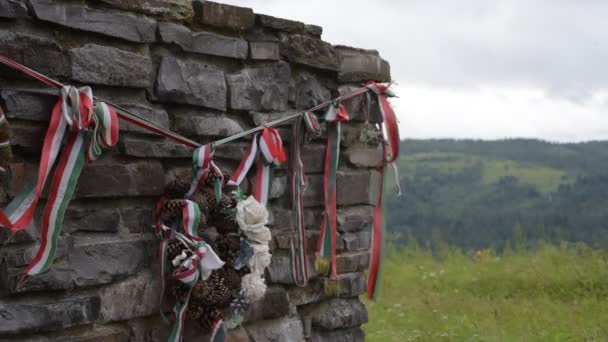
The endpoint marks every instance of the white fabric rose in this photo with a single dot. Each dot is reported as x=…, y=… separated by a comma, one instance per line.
x=260, y=259
x=251, y=215
x=254, y=286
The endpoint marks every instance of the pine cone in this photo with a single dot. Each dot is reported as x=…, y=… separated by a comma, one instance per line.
x=209, y=316
x=177, y=188
x=205, y=200
x=211, y=178
x=227, y=248
x=233, y=279
x=174, y=249
x=172, y=209
x=179, y=291
x=212, y=291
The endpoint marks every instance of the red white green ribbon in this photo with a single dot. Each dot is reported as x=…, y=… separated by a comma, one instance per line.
x=179, y=310
x=297, y=181
x=4, y=169
x=272, y=153
x=390, y=155
x=326, y=246
x=203, y=166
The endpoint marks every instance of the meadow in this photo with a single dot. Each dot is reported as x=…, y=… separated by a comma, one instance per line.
x=541, y=293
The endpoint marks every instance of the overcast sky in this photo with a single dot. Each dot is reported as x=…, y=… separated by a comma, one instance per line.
x=479, y=69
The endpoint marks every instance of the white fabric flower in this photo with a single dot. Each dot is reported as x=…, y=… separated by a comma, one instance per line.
x=260, y=259
x=254, y=286
x=251, y=215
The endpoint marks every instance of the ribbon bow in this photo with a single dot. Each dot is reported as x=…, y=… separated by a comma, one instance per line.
x=203, y=165
x=272, y=154
x=72, y=115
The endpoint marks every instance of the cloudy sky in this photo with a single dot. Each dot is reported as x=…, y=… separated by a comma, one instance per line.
x=477, y=68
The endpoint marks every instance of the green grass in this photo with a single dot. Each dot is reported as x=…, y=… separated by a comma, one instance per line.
x=554, y=293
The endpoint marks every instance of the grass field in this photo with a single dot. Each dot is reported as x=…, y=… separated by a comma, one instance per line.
x=550, y=293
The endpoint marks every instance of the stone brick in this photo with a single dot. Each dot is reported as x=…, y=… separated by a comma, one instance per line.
x=274, y=304
x=362, y=65
x=354, y=241
x=310, y=92
x=310, y=51
x=127, y=27
x=352, y=262
x=312, y=293
x=89, y=333
x=191, y=83
x=358, y=187
x=279, y=270
x=152, y=114
x=137, y=219
x=28, y=318
x=313, y=195
x=286, y=329
x=145, y=178
x=279, y=24
x=357, y=106
x=34, y=52
x=233, y=151
x=263, y=88
x=28, y=104
x=280, y=218
x=223, y=15
x=96, y=219
x=179, y=10
x=339, y=313
x=340, y=335
x=30, y=138
x=96, y=64
x=264, y=50
x=134, y=297
x=314, y=30
x=96, y=261
x=352, y=284
x=313, y=157
x=13, y=9
x=137, y=147
x=355, y=219
x=364, y=157
x=190, y=123
x=203, y=42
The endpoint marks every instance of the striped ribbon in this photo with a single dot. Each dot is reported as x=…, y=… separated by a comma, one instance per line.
x=71, y=116
x=390, y=155
x=5, y=150
x=326, y=246
x=203, y=166
x=297, y=181
x=272, y=153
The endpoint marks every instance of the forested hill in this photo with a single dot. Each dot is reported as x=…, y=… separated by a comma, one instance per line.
x=479, y=194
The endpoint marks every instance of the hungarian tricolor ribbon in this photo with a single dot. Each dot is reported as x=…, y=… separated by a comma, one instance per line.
x=297, y=181
x=272, y=153
x=203, y=166
x=5, y=153
x=72, y=115
x=390, y=154
x=325, y=261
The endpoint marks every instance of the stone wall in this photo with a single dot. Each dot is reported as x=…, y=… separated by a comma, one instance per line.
x=205, y=70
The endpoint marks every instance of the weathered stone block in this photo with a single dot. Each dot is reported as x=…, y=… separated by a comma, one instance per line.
x=134, y=297
x=233, y=151
x=314, y=30
x=310, y=92
x=339, y=313
x=191, y=83
x=264, y=50
x=310, y=51
x=354, y=241
x=110, y=66
x=189, y=123
x=274, y=304
x=96, y=261
x=29, y=104
x=352, y=284
x=152, y=114
x=34, y=52
x=203, y=42
x=264, y=88
x=91, y=219
x=352, y=262
x=115, y=180
x=19, y=318
x=355, y=219
x=179, y=10
x=364, y=157
x=340, y=335
x=312, y=293
x=362, y=65
x=128, y=27
x=358, y=108
x=358, y=187
x=137, y=219
x=30, y=138
x=286, y=329
x=223, y=15
x=279, y=24
x=137, y=147
x=279, y=270
x=13, y=9
x=313, y=195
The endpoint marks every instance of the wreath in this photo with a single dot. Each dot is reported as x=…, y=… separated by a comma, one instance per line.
x=233, y=229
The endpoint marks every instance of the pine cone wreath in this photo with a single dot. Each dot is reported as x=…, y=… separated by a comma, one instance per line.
x=172, y=209
x=177, y=188
x=212, y=291
x=209, y=316
x=228, y=247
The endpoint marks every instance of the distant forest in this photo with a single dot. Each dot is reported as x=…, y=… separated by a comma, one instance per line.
x=480, y=194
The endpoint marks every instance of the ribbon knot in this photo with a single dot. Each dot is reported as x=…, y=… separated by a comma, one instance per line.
x=203, y=165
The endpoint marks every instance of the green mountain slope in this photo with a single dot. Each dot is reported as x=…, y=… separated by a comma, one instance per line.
x=477, y=193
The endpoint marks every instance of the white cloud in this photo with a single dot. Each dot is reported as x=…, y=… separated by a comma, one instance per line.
x=478, y=68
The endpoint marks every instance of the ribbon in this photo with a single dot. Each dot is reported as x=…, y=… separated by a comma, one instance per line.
x=272, y=153
x=297, y=181
x=5, y=151
x=326, y=246
x=71, y=117
x=390, y=155
x=203, y=166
